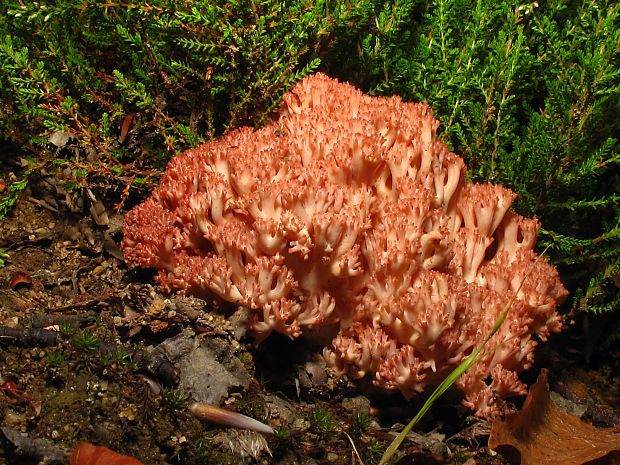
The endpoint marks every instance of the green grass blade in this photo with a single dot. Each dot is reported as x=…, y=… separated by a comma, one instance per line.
x=458, y=371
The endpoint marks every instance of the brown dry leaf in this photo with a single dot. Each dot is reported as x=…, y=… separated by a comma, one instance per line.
x=20, y=278
x=545, y=435
x=125, y=126
x=97, y=209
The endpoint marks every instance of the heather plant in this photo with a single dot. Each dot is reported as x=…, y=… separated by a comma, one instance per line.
x=527, y=93
x=122, y=84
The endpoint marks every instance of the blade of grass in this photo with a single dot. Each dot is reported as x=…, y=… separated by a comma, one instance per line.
x=357, y=455
x=458, y=371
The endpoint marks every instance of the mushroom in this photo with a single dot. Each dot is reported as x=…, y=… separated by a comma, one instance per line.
x=348, y=221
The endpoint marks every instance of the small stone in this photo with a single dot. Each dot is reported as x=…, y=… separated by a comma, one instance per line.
x=208, y=367
x=568, y=406
x=97, y=270
x=239, y=322
x=13, y=419
x=358, y=404
x=332, y=457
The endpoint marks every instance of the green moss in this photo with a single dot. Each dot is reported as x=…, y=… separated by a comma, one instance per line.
x=85, y=341
x=323, y=421
x=184, y=71
x=360, y=422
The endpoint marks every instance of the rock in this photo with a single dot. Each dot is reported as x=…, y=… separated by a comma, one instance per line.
x=207, y=368
x=60, y=138
x=314, y=372
x=359, y=404
x=282, y=412
x=567, y=405
x=239, y=322
x=332, y=457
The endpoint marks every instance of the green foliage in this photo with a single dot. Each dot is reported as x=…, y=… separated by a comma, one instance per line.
x=67, y=328
x=174, y=398
x=282, y=434
x=55, y=359
x=184, y=70
x=372, y=452
x=11, y=197
x=116, y=89
x=117, y=357
x=528, y=94
x=323, y=421
x=360, y=423
x=85, y=341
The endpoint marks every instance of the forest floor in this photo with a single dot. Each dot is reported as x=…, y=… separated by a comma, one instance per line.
x=92, y=351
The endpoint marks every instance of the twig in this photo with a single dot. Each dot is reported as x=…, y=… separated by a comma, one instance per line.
x=354, y=449
x=103, y=302
x=41, y=320
x=40, y=449
x=30, y=336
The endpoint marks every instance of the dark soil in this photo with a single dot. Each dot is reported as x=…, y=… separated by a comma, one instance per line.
x=90, y=379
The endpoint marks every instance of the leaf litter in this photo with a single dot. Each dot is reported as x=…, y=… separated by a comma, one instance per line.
x=544, y=435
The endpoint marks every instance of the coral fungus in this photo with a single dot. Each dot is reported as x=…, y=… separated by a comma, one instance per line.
x=348, y=221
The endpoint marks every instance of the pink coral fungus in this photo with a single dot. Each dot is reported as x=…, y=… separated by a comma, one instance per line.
x=347, y=220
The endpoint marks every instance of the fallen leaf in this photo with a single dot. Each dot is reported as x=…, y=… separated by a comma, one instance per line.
x=60, y=138
x=97, y=209
x=545, y=435
x=20, y=278
x=89, y=454
x=125, y=126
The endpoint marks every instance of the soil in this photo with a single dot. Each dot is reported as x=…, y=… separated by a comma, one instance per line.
x=90, y=377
